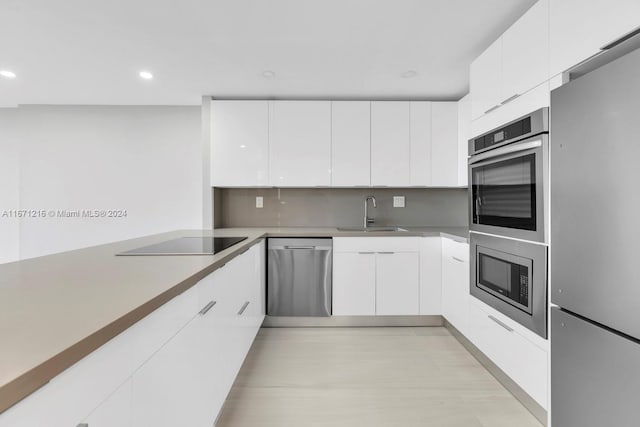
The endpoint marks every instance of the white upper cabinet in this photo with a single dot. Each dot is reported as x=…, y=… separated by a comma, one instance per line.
x=578, y=28
x=515, y=63
x=444, y=144
x=334, y=143
x=350, y=143
x=390, y=144
x=464, y=134
x=239, y=143
x=420, y=133
x=486, y=79
x=300, y=143
x=525, y=52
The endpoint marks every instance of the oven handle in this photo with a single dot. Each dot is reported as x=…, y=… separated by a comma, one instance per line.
x=507, y=149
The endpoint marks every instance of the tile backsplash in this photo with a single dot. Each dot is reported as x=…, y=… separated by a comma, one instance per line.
x=338, y=207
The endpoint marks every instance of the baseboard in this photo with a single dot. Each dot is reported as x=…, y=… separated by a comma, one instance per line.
x=527, y=401
x=351, y=321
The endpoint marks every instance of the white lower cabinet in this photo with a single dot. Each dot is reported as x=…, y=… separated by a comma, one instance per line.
x=431, y=275
x=397, y=283
x=113, y=412
x=455, y=283
x=509, y=346
x=179, y=385
x=174, y=367
x=376, y=276
x=354, y=284
x=187, y=381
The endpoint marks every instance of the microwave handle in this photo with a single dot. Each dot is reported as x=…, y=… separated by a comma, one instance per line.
x=507, y=149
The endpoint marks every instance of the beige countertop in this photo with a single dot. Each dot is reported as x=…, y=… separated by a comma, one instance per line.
x=56, y=309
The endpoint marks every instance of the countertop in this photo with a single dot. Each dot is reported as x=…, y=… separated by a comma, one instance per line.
x=56, y=309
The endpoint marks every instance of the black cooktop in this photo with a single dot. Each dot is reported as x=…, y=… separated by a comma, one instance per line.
x=187, y=246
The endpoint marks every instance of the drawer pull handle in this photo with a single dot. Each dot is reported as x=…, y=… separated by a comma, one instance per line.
x=500, y=323
x=207, y=307
x=366, y=253
x=511, y=98
x=300, y=247
x=457, y=259
x=386, y=253
x=492, y=108
x=244, y=307
x=83, y=425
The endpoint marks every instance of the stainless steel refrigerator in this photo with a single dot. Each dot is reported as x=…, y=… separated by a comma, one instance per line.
x=595, y=246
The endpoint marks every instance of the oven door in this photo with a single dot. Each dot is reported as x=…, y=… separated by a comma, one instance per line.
x=511, y=276
x=508, y=191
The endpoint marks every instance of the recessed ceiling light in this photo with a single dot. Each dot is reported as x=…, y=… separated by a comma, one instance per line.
x=409, y=74
x=268, y=74
x=146, y=75
x=8, y=74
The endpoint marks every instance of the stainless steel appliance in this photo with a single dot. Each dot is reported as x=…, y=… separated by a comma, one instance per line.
x=299, y=277
x=511, y=276
x=508, y=170
x=595, y=331
x=187, y=246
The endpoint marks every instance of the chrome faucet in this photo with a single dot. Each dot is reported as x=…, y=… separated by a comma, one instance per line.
x=366, y=219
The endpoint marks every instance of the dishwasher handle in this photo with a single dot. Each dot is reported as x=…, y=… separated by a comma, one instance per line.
x=299, y=248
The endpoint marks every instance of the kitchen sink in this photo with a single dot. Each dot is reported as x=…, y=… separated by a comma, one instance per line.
x=371, y=229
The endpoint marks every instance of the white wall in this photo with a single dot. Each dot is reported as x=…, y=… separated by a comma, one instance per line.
x=9, y=182
x=145, y=160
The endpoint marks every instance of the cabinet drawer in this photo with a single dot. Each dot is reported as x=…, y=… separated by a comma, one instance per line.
x=72, y=395
x=456, y=250
x=153, y=331
x=523, y=361
x=376, y=244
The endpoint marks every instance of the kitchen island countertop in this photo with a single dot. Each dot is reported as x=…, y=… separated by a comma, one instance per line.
x=56, y=309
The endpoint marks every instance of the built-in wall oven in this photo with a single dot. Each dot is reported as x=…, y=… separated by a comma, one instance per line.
x=511, y=276
x=508, y=177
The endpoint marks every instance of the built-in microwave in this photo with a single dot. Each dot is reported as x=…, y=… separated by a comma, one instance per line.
x=511, y=276
x=508, y=179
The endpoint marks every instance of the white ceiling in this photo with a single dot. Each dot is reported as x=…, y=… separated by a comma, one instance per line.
x=90, y=51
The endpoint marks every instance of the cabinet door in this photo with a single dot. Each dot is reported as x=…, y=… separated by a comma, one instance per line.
x=181, y=384
x=354, y=284
x=390, y=144
x=578, y=28
x=464, y=134
x=525, y=52
x=351, y=143
x=397, y=283
x=455, y=283
x=431, y=276
x=498, y=338
x=420, y=143
x=240, y=143
x=113, y=412
x=300, y=143
x=486, y=80
x=444, y=144
x=258, y=281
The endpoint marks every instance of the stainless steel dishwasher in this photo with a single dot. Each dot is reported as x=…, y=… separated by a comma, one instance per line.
x=299, y=277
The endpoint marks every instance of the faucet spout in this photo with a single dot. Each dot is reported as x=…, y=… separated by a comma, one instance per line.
x=366, y=219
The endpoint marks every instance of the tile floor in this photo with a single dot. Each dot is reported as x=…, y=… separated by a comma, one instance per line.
x=367, y=377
